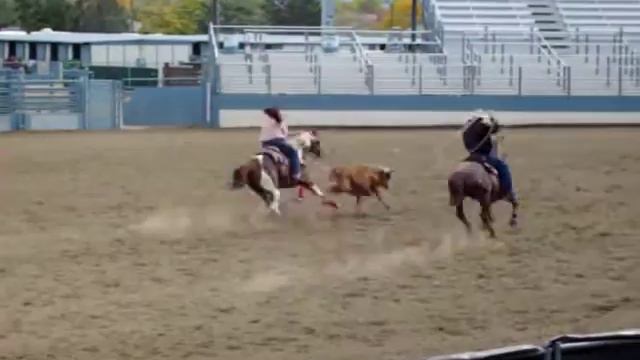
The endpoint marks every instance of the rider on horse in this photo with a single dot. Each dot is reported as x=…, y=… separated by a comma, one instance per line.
x=274, y=132
x=477, y=136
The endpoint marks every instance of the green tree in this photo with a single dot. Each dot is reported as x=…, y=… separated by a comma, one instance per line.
x=242, y=12
x=100, y=16
x=180, y=17
x=192, y=16
x=7, y=13
x=293, y=12
x=34, y=15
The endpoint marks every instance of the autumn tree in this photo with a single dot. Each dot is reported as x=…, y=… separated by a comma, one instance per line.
x=399, y=14
x=359, y=13
x=192, y=16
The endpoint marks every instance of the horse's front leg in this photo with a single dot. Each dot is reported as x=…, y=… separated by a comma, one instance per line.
x=513, y=222
x=460, y=214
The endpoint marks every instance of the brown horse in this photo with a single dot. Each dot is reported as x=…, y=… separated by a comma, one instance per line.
x=268, y=171
x=478, y=181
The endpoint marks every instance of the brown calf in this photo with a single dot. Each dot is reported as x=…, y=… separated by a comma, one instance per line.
x=360, y=181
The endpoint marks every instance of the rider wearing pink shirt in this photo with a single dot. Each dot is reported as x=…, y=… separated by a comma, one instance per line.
x=274, y=132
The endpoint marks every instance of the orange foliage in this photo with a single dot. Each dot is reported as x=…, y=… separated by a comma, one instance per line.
x=126, y=4
x=399, y=14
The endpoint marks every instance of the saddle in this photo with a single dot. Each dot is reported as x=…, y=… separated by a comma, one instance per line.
x=482, y=160
x=282, y=164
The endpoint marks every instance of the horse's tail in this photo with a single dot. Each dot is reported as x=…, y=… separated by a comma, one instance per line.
x=456, y=189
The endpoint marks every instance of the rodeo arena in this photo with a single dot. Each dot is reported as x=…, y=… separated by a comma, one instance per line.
x=142, y=217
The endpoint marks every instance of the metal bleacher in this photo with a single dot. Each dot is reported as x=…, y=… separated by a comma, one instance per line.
x=600, y=15
x=517, y=47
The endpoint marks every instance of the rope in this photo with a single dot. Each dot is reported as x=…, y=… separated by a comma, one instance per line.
x=489, y=133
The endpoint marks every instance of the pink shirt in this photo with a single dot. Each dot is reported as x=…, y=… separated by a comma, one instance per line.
x=272, y=130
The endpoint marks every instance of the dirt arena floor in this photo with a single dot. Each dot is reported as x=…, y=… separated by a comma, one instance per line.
x=127, y=245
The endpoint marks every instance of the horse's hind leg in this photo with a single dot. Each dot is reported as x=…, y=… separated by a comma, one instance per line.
x=486, y=217
x=460, y=214
x=514, y=212
x=269, y=192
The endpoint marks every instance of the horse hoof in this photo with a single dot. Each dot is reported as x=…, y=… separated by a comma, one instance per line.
x=513, y=223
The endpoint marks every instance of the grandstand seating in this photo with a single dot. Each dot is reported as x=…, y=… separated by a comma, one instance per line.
x=461, y=15
x=600, y=15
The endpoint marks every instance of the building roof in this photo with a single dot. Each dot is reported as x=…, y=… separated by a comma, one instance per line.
x=50, y=36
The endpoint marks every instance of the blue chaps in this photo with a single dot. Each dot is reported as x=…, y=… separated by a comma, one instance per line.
x=504, y=174
x=288, y=151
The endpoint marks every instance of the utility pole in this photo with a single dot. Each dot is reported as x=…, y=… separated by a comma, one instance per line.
x=414, y=20
x=215, y=12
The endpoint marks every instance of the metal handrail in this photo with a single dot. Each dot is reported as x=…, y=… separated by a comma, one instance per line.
x=213, y=41
x=362, y=54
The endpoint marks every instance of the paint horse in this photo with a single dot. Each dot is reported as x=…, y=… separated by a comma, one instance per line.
x=267, y=172
x=477, y=179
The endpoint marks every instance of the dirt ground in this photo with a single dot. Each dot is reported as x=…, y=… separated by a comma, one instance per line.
x=128, y=245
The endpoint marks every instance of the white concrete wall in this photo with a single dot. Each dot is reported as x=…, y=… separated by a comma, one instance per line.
x=53, y=121
x=126, y=55
x=251, y=118
x=5, y=123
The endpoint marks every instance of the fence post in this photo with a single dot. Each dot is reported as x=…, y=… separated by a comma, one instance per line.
x=637, y=72
x=608, y=71
x=519, y=80
x=626, y=59
x=510, y=70
x=420, y=79
x=85, y=104
x=501, y=58
x=539, y=54
x=370, y=71
x=586, y=48
x=614, y=48
x=597, y=59
x=568, y=79
x=619, y=79
x=445, y=70
x=621, y=42
x=531, y=41
x=479, y=70
x=493, y=47
x=319, y=77
x=472, y=80
x=486, y=39
x=413, y=71
x=268, y=78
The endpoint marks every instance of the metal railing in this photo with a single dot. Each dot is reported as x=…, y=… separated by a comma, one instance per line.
x=42, y=95
x=424, y=79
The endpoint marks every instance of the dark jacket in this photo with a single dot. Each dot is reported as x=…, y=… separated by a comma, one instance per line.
x=477, y=138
